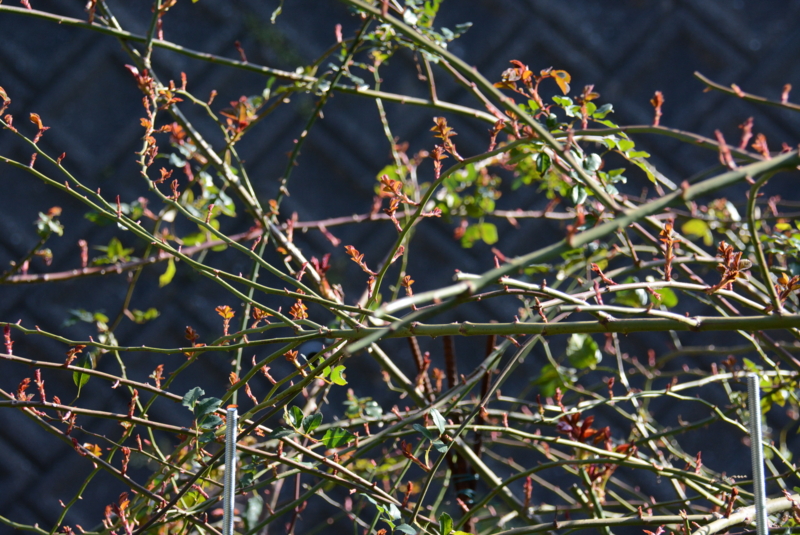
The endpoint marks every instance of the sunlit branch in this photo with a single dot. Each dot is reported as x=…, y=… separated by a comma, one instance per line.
x=746, y=96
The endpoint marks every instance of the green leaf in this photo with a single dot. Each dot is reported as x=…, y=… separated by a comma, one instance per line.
x=445, y=524
x=697, y=228
x=542, y=163
x=549, y=378
x=578, y=194
x=471, y=235
x=372, y=409
x=439, y=446
x=610, y=142
x=563, y=101
x=97, y=218
x=632, y=298
x=583, y=352
x=668, y=298
x=337, y=376
x=255, y=505
x=275, y=13
x=115, y=252
x=625, y=145
x=166, y=277
x=394, y=513
x=143, y=316
x=337, y=437
x=534, y=269
x=311, y=422
x=592, y=163
x=279, y=433
x=193, y=498
x=405, y=528
x=409, y=17
x=486, y=204
x=602, y=111
x=606, y=122
x=78, y=314
x=438, y=420
x=371, y=500
x=211, y=421
x=392, y=171
x=424, y=431
x=246, y=480
x=489, y=233
x=80, y=379
x=206, y=406
x=750, y=365
x=295, y=417
x=194, y=239
x=47, y=225
x=191, y=397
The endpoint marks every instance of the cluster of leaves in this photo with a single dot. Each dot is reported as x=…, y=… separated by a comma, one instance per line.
x=332, y=429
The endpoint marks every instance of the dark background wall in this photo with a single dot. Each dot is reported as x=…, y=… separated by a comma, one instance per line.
x=76, y=81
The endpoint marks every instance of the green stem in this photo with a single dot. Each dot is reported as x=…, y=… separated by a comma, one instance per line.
x=746, y=96
x=18, y=265
x=481, y=83
x=462, y=449
x=762, y=259
x=298, y=143
x=449, y=295
x=237, y=367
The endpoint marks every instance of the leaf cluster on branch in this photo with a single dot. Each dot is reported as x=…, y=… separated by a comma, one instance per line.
x=452, y=452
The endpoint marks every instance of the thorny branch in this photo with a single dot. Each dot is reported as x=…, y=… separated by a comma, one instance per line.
x=614, y=261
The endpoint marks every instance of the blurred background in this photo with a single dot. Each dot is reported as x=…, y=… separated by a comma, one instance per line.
x=76, y=81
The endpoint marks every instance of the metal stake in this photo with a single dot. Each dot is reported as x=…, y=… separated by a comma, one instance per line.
x=229, y=482
x=757, y=453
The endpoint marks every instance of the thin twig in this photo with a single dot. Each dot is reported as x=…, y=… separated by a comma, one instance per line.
x=746, y=96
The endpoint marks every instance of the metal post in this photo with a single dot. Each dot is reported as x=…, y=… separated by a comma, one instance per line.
x=229, y=481
x=757, y=453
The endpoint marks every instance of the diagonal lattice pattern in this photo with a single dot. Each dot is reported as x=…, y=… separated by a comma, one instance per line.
x=76, y=81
